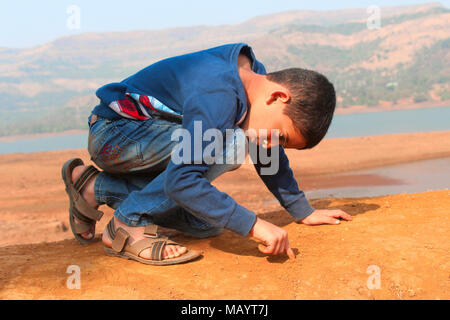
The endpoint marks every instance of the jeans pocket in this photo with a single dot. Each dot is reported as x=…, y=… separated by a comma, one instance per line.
x=117, y=151
x=97, y=137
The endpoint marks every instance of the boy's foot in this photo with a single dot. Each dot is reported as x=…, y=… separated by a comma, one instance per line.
x=136, y=234
x=88, y=195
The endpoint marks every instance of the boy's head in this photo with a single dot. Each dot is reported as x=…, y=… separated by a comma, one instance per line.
x=299, y=103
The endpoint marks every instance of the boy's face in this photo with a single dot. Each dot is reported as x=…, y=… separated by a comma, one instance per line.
x=267, y=115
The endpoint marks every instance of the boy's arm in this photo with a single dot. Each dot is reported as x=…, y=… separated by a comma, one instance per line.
x=284, y=187
x=186, y=183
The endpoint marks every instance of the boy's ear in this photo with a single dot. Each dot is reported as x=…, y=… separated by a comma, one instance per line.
x=283, y=95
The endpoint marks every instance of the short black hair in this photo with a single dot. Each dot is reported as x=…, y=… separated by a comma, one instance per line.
x=312, y=102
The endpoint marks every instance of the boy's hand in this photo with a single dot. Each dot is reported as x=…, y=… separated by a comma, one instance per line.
x=275, y=238
x=325, y=217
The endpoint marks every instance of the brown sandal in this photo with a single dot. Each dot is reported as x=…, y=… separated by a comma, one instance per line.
x=121, y=248
x=79, y=208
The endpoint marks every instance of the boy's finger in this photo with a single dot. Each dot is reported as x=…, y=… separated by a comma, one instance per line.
x=283, y=246
x=341, y=214
x=330, y=220
x=290, y=253
x=346, y=216
x=279, y=248
x=265, y=249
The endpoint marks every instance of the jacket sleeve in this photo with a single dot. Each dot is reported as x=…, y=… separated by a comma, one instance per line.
x=283, y=185
x=186, y=183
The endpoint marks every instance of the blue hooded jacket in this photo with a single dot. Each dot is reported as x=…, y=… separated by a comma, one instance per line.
x=205, y=86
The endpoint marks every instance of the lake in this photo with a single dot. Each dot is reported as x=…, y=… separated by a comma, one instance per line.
x=346, y=125
x=419, y=176
x=390, y=122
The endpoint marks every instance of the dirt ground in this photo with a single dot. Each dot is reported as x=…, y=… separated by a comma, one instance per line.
x=403, y=237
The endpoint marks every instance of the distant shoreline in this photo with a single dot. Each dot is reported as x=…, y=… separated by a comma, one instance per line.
x=339, y=111
x=396, y=107
x=41, y=135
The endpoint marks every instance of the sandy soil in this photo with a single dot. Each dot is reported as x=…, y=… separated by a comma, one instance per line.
x=405, y=236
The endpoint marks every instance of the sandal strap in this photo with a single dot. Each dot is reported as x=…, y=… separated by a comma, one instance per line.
x=74, y=191
x=86, y=175
x=157, y=250
x=82, y=218
x=119, y=237
x=111, y=229
x=151, y=231
x=80, y=228
x=82, y=206
x=155, y=243
x=75, y=163
x=84, y=210
x=120, y=240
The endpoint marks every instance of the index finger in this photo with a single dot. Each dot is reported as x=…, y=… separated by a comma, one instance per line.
x=289, y=251
x=266, y=249
x=343, y=215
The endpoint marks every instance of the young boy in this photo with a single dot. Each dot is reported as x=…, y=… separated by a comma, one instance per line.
x=132, y=139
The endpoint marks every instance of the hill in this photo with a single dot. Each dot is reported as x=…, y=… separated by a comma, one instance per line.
x=51, y=87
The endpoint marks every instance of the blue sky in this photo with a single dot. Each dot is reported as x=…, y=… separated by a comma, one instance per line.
x=26, y=23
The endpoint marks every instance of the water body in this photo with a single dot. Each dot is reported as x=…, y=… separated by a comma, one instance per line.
x=349, y=125
x=411, y=177
x=41, y=144
x=390, y=122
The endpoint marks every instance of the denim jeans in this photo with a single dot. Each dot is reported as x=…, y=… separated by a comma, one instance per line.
x=134, y=155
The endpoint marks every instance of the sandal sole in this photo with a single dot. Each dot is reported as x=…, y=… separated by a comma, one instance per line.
x=68, y=180
x=186, y=257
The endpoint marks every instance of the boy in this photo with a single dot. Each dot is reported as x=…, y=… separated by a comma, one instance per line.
x=131, y=139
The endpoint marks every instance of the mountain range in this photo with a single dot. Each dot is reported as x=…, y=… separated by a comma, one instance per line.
x=51, y=87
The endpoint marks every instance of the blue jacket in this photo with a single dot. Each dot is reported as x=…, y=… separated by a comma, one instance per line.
x=205, y=86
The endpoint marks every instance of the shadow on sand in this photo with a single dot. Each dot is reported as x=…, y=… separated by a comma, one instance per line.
x=232, y=243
